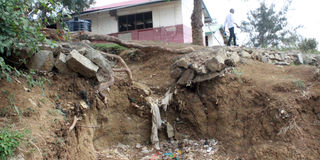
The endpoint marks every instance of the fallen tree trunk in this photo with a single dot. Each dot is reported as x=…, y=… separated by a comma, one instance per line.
x=97, y=37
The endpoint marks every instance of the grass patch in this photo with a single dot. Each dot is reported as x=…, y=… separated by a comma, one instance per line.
x=109, y=47
x=9, y=142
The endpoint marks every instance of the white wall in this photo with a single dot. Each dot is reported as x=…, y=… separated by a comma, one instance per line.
x=187, y=8
x=215, y=39
x=102, y=23
x=163, y=14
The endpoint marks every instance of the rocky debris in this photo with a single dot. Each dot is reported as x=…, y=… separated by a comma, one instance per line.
x=61, y=64
x=182, y=149
x=80, y=64
x=41, y=61
x=202, y=65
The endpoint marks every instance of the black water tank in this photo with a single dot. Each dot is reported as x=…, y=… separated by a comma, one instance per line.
x=78, y=25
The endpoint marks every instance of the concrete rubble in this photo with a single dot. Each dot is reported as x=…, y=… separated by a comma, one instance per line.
x=80, y=64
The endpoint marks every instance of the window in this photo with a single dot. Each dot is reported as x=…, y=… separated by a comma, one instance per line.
x=135, y=21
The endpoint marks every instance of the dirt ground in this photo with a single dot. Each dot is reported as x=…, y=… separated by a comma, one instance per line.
x=257, y=111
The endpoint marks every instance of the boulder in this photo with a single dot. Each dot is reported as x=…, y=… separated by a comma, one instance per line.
x=245, y=54
x=186, y=77
x=97, y=58
x=80, y=64
x=215, y=64
x=61, y=64
x=182, y=62
x=41, y=61
x=176, y=72
x=234, y=57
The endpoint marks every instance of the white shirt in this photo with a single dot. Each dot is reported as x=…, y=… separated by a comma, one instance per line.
x=229, y=21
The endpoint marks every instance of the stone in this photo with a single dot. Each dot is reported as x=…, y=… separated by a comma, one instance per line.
x=176, y=72
x=80, y=64
x=215, y=64
x=138, y=146
x=182, y=62
x=97, y=58
x=41, y=61
x=300, y=59
x=309, y=59
x=264, y=59
x=245, y=54
x=83, y=104
x=205, y=77
x=283, y=56
x=186, y=77
x=277, y=57
x=61, y=64
x=82, y=50
x=235, y=57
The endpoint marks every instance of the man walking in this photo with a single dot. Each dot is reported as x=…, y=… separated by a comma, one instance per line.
x=230, y=22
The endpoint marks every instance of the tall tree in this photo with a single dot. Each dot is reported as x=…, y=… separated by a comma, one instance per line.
x=268, y=28
x=196, y=23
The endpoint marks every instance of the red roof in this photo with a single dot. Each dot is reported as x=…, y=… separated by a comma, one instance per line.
x=126, y=3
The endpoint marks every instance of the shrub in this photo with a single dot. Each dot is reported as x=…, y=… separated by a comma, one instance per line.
x=308, y=45
x=109, y=47
x=9, y=141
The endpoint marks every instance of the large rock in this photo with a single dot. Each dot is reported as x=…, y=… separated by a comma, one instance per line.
x=186, y=77
x=80, y=64
x=176, y=72
x=97, y=58
x=215, y=64
x=41, y=61
x=235, y=57
x=245, y=54
x=61, y=64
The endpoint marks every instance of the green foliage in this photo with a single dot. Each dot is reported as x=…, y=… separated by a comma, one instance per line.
x=268, y=28
x=9, y=141
x=308, y=45
x=109, y=47
x=76, y=5
x=17, y=32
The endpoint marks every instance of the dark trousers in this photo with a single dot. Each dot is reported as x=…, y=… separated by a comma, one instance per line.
x=232, y=35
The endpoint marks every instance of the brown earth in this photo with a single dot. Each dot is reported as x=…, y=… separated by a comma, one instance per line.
x=257, y=111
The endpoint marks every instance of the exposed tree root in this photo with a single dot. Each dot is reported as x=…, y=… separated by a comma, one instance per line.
x=91, y=37
x=75, y=119
x=125, y=69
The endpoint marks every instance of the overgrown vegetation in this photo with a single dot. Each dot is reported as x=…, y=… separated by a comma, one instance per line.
x=109, y=47
x=308, y=45
x=9, y=141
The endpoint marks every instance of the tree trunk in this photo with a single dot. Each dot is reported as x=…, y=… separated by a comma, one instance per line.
x=196, y=23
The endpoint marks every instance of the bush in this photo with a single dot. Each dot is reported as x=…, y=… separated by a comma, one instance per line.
x=308, y=45
x=109, y=47
x=9, y=142
x=17, y=31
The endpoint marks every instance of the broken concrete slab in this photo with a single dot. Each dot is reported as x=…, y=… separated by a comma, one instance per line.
x=41, y=61
x=61, y=64
x=300, y=59
x=80, y=64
